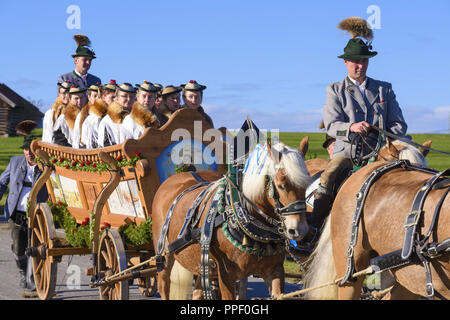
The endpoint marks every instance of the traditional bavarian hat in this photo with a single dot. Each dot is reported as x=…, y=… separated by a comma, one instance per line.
x=27, y=141
x=25, y=128
x=126, y=87
x=192, y=85
x=84, y=47
x=111, y=86
x=160, y=88
x=76, y=89
x=170, y=89
x=328, y=140
x=65, y=85
x=147, y=86
x=95, y=87
x=356, y=47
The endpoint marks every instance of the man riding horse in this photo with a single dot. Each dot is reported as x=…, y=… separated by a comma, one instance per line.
x=352, y=106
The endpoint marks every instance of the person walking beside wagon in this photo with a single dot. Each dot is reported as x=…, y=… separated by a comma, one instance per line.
x=352, y=106
x=21, y=174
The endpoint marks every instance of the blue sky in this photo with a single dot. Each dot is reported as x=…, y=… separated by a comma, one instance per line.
x=271, y=60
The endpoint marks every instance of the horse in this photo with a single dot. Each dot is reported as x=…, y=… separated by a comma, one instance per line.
x=229, y=263
x=392, y=150
x=380, y=232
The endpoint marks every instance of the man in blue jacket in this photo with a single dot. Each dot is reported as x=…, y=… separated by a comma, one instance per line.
x=20, y=174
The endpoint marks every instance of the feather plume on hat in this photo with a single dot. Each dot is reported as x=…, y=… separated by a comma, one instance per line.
x=25, y=127
x=357, y=27
x=82, y=40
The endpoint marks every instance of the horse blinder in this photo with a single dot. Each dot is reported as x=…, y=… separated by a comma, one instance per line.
x=296, y=207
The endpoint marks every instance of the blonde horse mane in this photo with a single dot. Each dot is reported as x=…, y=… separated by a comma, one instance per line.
x=411, y=153
x=260, y=163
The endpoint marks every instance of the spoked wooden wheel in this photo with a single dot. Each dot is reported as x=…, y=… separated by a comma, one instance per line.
x=112, y=260
x=44, y=267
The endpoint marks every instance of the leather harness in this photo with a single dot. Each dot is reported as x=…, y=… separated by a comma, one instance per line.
x=225, y=209
x=423, y=249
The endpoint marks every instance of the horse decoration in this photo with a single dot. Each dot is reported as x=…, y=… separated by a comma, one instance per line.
x=365, y=226
x=215, y=229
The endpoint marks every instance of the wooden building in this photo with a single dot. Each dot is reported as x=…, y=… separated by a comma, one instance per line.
x=14, y=109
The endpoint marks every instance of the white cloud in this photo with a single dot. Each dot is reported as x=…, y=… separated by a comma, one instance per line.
x=419, y=119
x=233, y=116
x=426, y=120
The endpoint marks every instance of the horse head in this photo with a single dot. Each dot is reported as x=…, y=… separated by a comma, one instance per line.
x=395, y=150
x=275, y=179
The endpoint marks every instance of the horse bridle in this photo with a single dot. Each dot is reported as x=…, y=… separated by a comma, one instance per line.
x=295, y=207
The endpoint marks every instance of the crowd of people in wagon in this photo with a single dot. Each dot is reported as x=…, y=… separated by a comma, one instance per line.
x=87, y=114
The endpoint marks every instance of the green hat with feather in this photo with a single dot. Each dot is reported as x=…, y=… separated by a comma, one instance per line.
x=356, y=47
x=84, y=47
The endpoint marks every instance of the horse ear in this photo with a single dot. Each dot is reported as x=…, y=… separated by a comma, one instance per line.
x=425, y=151
x=273, y=153
x=392, y=150
x=303, y=147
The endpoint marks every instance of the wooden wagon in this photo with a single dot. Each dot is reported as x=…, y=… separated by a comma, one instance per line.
x=113, y=187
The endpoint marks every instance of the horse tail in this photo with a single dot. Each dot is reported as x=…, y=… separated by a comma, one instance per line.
x=321, y=269
x=180, y=283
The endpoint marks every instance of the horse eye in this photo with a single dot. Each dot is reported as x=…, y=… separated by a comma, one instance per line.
x=281, y=187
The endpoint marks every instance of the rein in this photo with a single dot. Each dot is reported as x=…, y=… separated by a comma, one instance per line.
x=391, y=135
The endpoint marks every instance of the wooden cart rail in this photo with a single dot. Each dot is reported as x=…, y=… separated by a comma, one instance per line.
x=93, y=191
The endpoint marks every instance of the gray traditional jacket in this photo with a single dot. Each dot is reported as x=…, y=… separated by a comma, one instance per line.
x=76, y=79
x=14, y=176
x=346, y=105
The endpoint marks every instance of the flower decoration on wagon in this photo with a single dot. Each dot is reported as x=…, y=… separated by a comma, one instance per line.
x=93, y=166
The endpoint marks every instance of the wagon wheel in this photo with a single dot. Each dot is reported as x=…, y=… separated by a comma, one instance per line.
x=44, y=267
x=112, y=260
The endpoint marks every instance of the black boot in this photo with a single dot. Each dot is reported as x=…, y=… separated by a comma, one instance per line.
x=21, y=263
x=322, y=207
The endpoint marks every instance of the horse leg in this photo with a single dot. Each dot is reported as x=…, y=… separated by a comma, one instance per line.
x=274, y=280
x=197, y=294
x=164, y=278
x=227, y=285
x=399, y=292
x=351, y=291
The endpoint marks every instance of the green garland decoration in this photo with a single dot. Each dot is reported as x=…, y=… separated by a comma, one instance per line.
x=77, y=235
x=137, y=235
x=81, y=235
x=89, y=166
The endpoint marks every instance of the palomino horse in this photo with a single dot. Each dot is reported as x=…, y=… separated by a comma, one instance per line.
x=381, y=231
x=391, y=151
x=230, y=263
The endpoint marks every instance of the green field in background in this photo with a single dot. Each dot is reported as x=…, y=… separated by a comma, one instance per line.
x=11, y=146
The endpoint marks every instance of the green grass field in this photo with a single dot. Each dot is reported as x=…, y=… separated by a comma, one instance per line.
x=435, y=160
x=11, y=146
